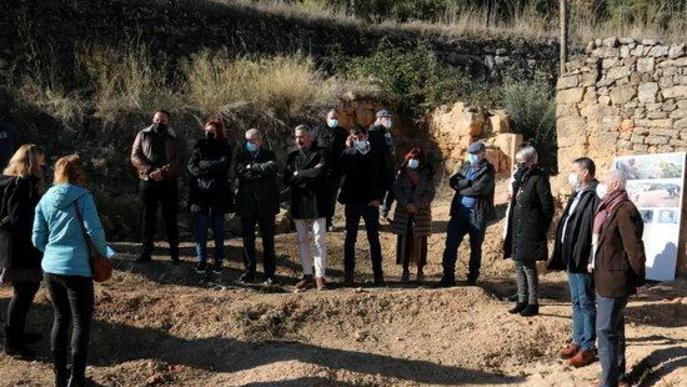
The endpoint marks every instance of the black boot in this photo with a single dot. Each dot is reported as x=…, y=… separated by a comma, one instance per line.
x=14, y=345
x=530, y=310
x=78, y=374
x=174, y=254
x=60, y=368
x=519, y=307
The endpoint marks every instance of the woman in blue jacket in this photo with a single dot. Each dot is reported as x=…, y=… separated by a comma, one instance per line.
x=66, y=263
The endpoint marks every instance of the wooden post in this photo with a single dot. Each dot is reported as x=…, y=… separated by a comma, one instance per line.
x=563, y=12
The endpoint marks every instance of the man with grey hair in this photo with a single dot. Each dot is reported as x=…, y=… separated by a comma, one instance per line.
x=305, y=175
x=257, y=202
x=618, y=266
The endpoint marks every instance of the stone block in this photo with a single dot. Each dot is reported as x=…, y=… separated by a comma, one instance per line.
x=569, y=95
x=623, y=94
x=675, y=92
x=645, y=65
x=619, y=72
x=500, y=122
x=659, y=50
x=676, y=50
x=571, y=131
x=568, y=82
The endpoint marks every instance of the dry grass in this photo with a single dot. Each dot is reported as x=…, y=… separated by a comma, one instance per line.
x=655, y=22
x=285, y=85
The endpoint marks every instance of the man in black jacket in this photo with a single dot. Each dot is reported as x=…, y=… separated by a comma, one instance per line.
x=257, y=202
x=382, y=142
x=332, y=140
x=471, y=210
x=572, y=251
x=305, y=175
x=362, y=193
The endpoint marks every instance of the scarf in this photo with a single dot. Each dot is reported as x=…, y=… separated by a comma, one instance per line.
x=606, y=207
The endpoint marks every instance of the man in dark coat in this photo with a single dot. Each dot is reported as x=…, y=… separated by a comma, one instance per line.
x=381, y=141
x=305, y=175
x=572, y=250
x=531, y=212
x=332, y=139
x=362, y=193
x=619, y=267
x=472, y=208
x=257, y=202
x=156, y=155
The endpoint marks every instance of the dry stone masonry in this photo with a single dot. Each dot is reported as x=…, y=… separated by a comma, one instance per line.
x=625, y=96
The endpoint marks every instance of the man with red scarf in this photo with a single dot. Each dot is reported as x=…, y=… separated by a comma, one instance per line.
x=618, y=266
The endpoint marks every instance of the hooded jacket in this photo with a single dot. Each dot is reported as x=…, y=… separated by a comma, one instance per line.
x=57, y=230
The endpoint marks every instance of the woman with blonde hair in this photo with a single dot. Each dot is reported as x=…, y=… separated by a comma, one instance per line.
x=65, y=213
x=21, y=186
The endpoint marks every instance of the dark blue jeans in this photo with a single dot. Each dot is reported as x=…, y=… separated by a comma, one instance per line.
x=610, y=328
x=370, y=214
x=213, y=217
x=467, y=223
x=583, y=310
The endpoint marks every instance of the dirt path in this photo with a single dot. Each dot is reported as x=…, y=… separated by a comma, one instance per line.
x=163, y=325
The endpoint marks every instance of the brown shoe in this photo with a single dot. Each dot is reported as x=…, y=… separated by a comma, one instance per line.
x=321, y=283
x=305, y=283
x=582, y=358
x=569, y=351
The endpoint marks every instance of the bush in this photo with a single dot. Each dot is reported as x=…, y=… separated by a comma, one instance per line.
x=416, y=78
x=532, y=107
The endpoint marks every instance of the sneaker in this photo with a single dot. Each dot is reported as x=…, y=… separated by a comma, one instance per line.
x=530, y=310
x=405, y=277
x=321, y=283
x=200, y=267
x=569, y=351
x=305, y=283
x=582, y=358
x=247, y=278
x=217, y=267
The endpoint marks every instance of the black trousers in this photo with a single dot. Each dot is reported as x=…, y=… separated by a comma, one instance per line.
x=267, y=230
x=370, y=214
x=164, y=194
x=72, y=299
x=20, y=303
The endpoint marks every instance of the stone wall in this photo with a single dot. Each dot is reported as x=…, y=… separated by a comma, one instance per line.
x=625, y=96
x=53, y=28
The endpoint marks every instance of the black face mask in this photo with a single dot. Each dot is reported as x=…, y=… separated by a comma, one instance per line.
x=159, y=127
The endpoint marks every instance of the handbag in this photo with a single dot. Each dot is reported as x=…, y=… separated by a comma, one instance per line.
x=101, y=266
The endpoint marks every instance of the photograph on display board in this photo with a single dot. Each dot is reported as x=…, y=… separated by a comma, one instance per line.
x=655, y=185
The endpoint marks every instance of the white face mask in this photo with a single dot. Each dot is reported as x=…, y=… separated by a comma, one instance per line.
x=602, y=191
x=573, y=180
x=332, y=123
x=413, y=163
x=362, y=146
x=387, y=123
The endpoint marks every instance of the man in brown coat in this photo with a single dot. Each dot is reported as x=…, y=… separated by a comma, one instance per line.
x=156, y=156
x=618, y=266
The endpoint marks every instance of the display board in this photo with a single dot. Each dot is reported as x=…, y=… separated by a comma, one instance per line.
x=655, y=184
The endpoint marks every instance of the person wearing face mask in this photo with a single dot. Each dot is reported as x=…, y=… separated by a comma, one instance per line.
x=361, y=194
x=572, y=249
x=531, y=212
x=382, y=142
x=332, y=139
x=619, y=269
x=414, y=192
x=305, y=175
x=210, y=197
x=156, y=155
x=472, y=208
x=257, y=202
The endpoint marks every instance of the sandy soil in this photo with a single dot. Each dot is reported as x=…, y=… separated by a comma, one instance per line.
x=164, y=325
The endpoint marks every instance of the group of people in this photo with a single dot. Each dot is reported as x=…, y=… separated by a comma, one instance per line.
x=49, y=233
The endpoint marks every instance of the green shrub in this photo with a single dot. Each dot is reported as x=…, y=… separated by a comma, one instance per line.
x=532, y=107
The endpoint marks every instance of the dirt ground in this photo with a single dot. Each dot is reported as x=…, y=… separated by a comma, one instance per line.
x=164, y=325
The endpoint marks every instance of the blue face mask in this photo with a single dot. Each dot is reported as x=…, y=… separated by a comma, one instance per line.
x=333, y=123
x=413, y=163
x=362, y=145
x=251, y=147
x=473, y=159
